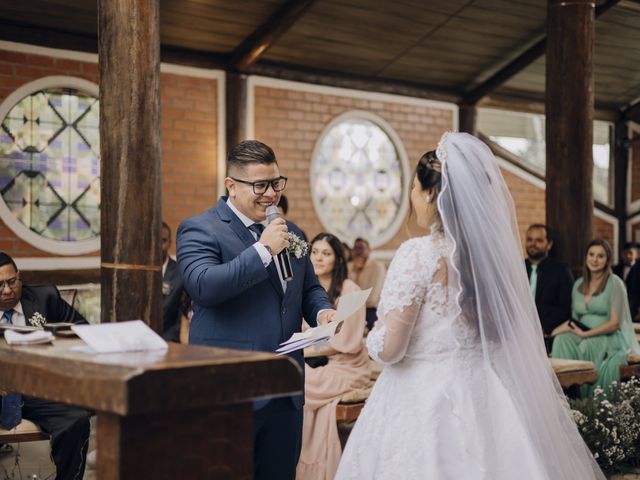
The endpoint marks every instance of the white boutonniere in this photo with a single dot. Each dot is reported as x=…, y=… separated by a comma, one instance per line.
x=37, y=320
x=297, y=246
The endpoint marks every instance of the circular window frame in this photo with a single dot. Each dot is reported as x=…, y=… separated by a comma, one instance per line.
x=397, y=222
x=22, y=231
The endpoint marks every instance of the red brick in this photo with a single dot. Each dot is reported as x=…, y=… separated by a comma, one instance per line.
x=40, y=61
x=70, y=66
x=13, y=57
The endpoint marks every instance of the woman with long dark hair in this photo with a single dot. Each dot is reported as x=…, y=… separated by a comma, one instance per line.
x=348, y=367
x=600, y=329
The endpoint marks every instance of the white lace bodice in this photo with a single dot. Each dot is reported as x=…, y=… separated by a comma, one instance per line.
x=417, y=314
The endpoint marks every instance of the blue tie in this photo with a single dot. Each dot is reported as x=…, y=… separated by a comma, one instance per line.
x=6, y=316
x=257, y=228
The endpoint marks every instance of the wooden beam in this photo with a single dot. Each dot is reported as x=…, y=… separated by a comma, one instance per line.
x=525, y=59
x=604, y=112
x=467, y=119
x=620, y=170
x=632, y=112
x=236, y=93
x=569, y=127
x=263, y=38
x=21, y=32
x=356, y=82
x=129, y=56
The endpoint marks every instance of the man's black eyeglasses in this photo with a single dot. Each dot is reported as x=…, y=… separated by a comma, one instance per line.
x=11, y=283
x=261, y=186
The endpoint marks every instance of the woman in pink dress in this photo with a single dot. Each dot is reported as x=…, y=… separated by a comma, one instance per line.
x=347, y=369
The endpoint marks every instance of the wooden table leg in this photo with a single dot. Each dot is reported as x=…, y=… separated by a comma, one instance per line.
x=210, y=444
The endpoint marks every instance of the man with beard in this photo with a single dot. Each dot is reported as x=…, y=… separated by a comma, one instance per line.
x=551, y=281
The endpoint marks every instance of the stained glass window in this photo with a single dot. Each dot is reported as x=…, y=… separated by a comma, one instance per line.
x=358, y=181
x=50, y=164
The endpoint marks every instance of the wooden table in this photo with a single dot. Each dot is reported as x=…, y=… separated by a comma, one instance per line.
x=181, y=413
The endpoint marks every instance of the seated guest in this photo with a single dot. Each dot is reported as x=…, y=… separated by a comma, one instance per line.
x=347, y=369
x=631, y=277
x=172, y=290
x=367, y=273
x=627, y=260
x=604, y=335
x=550, y=281
x=67, y=426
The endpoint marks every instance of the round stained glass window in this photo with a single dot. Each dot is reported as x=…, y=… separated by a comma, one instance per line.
x=50, y=166
x=359, y=180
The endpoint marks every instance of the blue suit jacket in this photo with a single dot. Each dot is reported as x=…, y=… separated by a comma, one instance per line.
x=237, y=302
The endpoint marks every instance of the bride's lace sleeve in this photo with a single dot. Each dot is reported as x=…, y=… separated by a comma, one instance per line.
x=415, y=266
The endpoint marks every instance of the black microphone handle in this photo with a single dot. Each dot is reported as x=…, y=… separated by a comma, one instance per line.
x=283, y=259
x=284, y=262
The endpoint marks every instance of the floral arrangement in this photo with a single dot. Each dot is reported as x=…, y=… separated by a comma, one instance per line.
x=37, y=320
x=297, y=246
x=610, y=424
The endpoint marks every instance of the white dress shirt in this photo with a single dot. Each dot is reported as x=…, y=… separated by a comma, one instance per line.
x=18, y=316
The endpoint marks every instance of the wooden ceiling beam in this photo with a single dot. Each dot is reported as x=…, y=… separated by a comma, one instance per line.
x=88, y=43
x=355, y=82
x=632, y=112
x=525, y=59
x=255, y=45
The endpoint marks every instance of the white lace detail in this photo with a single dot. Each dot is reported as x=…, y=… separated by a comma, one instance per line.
x=375, y=343
x=411, y=271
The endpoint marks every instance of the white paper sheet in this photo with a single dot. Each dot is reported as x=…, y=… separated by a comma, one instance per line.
x=129, y=336
x=347, y=306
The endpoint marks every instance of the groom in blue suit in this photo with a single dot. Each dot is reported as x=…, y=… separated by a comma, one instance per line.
x=226, y=258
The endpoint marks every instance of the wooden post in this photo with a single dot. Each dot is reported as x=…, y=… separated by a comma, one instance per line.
x=620, y=168
x=569, y=127
x=467, y=119
x=129, y=53
x=236, y=103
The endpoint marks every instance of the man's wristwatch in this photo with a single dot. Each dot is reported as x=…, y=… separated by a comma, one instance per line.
x=268, y=249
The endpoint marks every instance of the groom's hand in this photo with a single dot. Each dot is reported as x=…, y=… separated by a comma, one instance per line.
x=326, y=316
x=276, y=236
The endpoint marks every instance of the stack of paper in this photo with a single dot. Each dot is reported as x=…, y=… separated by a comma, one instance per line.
x=39, y=336
x=130, y=336
x=347, y=306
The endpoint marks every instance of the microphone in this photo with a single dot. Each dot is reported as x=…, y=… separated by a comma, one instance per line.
x=284, y=262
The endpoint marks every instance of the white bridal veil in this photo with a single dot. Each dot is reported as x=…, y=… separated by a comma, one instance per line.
x=493, y=294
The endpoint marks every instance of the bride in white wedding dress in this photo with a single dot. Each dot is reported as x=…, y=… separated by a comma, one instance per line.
x=467, y=391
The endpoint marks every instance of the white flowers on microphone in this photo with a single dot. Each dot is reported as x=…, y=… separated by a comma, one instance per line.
x=297, y=246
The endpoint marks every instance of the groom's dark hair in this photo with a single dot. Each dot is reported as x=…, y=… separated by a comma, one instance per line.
x=248, y=152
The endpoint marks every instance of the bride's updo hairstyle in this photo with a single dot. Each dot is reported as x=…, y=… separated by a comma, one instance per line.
x=429, y=171
x=429, y=174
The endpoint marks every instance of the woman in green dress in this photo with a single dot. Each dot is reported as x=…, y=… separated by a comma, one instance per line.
x=599, y=302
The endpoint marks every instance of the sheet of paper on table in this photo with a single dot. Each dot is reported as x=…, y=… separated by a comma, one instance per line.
x=347, y=306
x=131, y=336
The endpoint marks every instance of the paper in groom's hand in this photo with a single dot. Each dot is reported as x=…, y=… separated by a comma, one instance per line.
x=347, y=305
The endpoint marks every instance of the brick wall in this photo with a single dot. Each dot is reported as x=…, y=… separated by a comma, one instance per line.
x=189, y=146
x=189, y=135
x=291, y=122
